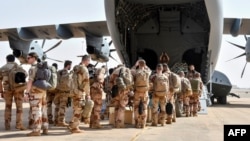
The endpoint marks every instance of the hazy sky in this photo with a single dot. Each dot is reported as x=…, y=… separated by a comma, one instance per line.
x=17, y=13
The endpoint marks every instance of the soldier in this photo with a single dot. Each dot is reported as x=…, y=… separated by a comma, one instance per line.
x=197, y=86
x=50, y=98
x=120, y=99
x=62, y=93
x=160, y=89
x=186, y=92
x=191, y=71
x=80, y=93
x=96, y=93
x=37, y=99
x=8, y=92
x=174, y=87
x=141, y=74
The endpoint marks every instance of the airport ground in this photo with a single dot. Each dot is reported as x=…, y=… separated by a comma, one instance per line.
x=205, y=127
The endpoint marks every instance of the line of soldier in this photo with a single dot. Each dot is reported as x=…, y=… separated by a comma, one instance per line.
x=160, y=84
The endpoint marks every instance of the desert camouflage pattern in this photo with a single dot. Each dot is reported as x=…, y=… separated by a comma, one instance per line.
x=38, y=107
x=81, y=89
x=56, y=101
x=140, y=120
x=63, y=100
x=18, y=98
x=50, y=98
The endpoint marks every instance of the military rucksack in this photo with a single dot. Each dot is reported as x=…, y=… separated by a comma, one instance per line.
x=195, y=84
x=65, y=80
x=127, y=77
x=186, y=86
x=53, y=78
x=141, y=81
x=161, y=85
x=46, y=77
x=15, y=78
x=174, y=82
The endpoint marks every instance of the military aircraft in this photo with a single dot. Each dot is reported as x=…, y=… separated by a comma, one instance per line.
x=189, y=31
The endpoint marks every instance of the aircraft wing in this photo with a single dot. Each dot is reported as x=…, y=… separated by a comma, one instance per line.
x=236, y=26
x=61, y=31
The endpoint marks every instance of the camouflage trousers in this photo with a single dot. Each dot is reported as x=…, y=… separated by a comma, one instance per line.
x=193, y=103
x=50, y=97
x=18, y=98
x=140, y=119
x=186, y=108
x=96, y=96
x=120, y=102
x=77, y=111
x=156, y=100
x=56, y=101
x=38, y=109
x=63, y=100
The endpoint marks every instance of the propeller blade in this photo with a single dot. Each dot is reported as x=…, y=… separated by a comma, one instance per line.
x=113, y=58
x=245, y=37
x=54, y=60
x=43, y=43
x=111, y=50
x=243, y=69
x=239, y=46
x=237, y=56
x=57, y=44
x=110, y=42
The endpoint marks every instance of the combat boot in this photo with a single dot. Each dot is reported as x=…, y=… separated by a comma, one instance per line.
x=76, y=130
x=45, y=131
x=96, y=126
x=51, y=121
x=7, y=125
x=20, y=127
x=34, y=133
x=62, y=124
x=30, y=126
x=169, y=120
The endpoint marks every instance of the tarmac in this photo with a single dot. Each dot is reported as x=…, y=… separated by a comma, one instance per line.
x=205, y=127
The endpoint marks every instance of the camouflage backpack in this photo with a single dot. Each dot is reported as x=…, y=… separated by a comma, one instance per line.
x=127, y=77
x=174, y=82
x=14, y=78
x=161, y=85
x=141, y=81
x=65, y=80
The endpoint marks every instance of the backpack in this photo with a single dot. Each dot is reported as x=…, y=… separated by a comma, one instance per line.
x=174, y=82
x=14, y=78
x=17, y=78
x=44, y=76
x=195, y=84
x=127, y=77
x=141, y=81
x=161, y=85
x=53, y=78
x=65, y=80
x=186, y=86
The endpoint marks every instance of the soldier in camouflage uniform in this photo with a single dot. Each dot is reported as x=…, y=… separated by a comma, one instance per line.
x=141, y=74
x=37, y=100
x=160, y=91
x=80, y=92
x=8, y=95
x=186, y=92
x=197, y=86
x=50, y=98
x=96, y=93
x=63, y=94
x=121, y=99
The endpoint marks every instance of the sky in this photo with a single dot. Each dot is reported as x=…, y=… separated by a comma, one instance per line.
x=16, y=13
